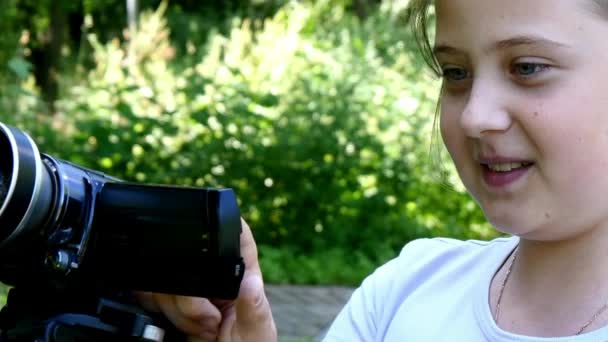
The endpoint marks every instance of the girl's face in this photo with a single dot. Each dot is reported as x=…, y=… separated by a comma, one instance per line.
x=524, y=111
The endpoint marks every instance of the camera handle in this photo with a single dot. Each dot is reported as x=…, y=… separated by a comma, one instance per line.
x=28, y=317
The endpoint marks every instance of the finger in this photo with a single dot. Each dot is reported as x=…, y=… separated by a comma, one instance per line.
x=248, y=318
x=249, y=250
x=253, y=315
x=193, y=316
x=223, y=304
x=147, y=301
x=228, y=329
x=198, y=339
x=252, y=307
x=198, y=309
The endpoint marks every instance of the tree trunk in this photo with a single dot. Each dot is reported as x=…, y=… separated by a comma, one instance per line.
x=363, y=7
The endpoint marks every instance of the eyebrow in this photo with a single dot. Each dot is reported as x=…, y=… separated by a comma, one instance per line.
x=502, y=45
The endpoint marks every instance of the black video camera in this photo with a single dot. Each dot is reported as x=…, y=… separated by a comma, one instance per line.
x=82, y=241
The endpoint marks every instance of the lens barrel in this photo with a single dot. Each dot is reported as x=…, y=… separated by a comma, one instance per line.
x=6, y=168
x=27, y=190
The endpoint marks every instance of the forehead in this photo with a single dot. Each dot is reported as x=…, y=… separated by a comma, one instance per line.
x=479, y=20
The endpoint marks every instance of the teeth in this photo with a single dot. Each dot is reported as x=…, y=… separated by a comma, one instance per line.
x=506, y=167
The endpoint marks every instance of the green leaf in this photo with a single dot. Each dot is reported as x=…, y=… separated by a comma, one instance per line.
x=20, y=67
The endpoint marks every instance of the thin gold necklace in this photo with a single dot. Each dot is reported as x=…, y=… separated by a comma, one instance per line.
x=502, y=289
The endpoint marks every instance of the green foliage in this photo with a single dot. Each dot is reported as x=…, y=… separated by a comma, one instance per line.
x=337, y=265
x=3, y=293
x=8, y=41
x=321, y=123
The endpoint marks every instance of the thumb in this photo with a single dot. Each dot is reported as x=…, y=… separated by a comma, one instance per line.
x=252, y=306
x=253, y=316
x=249, y=250
x=253, y=319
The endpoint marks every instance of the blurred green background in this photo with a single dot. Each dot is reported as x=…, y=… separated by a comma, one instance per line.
x=318, y=113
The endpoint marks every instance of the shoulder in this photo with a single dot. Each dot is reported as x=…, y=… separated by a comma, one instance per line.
x=424, y=268
x=428, y=268
x=423, y=260
x=439, y=247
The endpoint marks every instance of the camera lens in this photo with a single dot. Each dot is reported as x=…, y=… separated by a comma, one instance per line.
x=6, y=169
x=26, y=188
x=3, y=185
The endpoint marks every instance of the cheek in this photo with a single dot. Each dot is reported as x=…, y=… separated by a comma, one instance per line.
x=572, y=142
x=585, y=165
x=451, y=133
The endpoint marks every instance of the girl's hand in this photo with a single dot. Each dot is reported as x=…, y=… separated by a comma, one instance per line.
x=248, y=318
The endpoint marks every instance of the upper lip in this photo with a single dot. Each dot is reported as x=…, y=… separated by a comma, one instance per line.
x=488, y=160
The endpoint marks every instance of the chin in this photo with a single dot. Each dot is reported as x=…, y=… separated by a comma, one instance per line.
x=530, y=233
x=513, y=226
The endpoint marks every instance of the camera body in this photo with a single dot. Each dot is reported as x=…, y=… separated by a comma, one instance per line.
x=66, y=226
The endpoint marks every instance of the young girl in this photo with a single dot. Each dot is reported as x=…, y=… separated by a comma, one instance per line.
x=524, y=116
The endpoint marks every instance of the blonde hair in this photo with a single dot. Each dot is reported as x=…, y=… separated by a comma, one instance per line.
x=418, y=15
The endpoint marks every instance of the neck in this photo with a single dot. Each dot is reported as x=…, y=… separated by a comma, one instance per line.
x=578, y=261
x=556, y=287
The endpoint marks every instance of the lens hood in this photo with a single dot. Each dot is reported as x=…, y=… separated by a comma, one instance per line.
x=28, y=188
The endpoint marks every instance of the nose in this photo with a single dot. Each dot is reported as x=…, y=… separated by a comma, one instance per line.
x=485, y=111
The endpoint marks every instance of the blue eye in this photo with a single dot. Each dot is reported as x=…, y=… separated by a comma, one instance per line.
x=528, y=69
x=455, y=74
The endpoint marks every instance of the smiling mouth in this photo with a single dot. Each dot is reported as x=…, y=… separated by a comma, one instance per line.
x=506, y=167
x=499, y=175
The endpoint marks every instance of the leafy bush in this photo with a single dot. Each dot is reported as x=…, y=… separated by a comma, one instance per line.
x=321, y=123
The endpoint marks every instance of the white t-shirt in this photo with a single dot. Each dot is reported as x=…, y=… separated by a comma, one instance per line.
x=436, y=290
